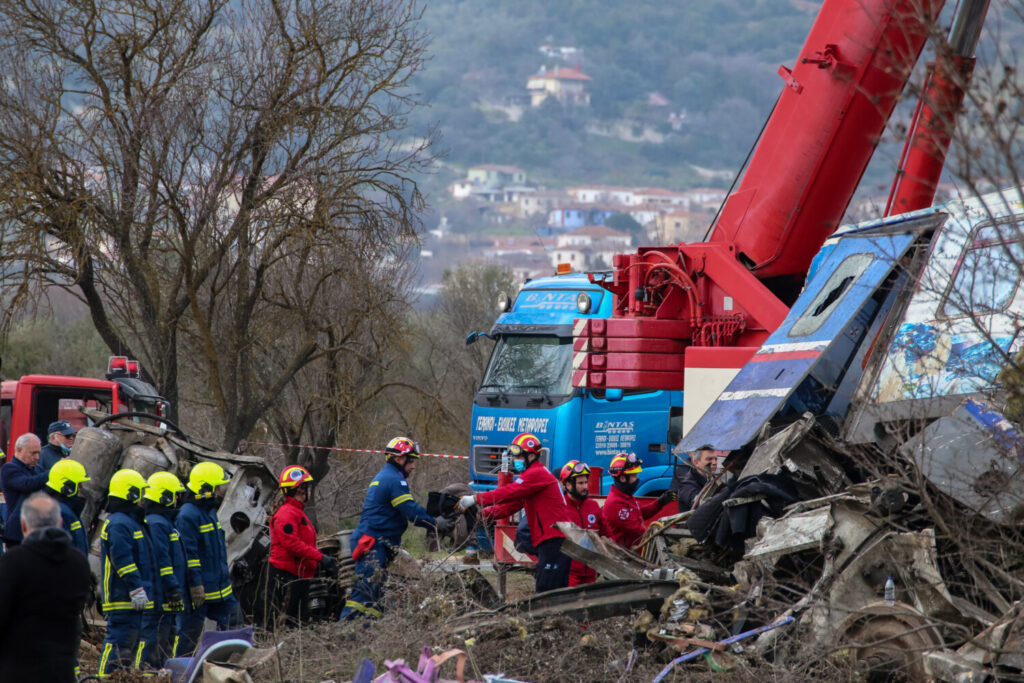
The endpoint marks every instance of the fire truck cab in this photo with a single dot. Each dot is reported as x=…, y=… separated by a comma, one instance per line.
x=31, y=403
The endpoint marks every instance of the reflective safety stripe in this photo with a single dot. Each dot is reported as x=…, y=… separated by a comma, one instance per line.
x=103, y=531
x=117, y=606
x=194, y=563
x=374, y=483
x=219, y=595
x=362, y=609
x=206, y=528
x=137, y=534
x=174, y=536
x=138, y=654
x=105, y=659
x=75, y=526
x=395, y=502
x=127, y=569
x=174, y=647
x=166, y=571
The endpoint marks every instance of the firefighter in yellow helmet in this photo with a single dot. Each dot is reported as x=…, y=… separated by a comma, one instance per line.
x=63, y=483
x=206, y=558
x=160, y=627
x=129, y=573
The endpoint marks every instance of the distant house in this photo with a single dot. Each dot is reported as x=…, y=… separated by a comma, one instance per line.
x=705, y=197
x=682, y=226
x=656, y=196
x=495, y=175
x=590, y=194
x=589, y=235
x=567, y=218
x=461, y=189
x=540, y=203
x=566, y=85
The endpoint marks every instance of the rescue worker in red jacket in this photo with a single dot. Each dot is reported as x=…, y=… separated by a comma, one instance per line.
x=537, y=490
x=584, y=512
x=294, y=557
x=625, y=517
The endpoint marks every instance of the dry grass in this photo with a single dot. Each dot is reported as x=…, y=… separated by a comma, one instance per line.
x=555, y=650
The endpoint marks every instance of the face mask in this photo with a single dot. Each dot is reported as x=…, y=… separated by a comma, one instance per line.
x=626, y=487
x=77, y=504
x=64, y=450
x=518, y=465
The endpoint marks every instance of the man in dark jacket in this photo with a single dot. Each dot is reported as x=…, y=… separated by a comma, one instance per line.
x=44, y=583
x=60, y=437
x=19, y=478
x=388, y=509
x=692, y=476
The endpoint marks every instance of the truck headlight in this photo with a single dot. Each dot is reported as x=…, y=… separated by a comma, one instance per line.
x=583, y=302
x=504, y=303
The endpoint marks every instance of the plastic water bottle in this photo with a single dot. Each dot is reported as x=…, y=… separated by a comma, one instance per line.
x=890, y=592
x=506, y=465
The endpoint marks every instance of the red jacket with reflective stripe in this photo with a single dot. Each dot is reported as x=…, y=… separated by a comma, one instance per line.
x=586, y=514
x=293, y=541
x=540, y=493
x=626, y=518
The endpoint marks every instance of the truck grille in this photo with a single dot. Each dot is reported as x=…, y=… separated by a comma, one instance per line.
x=487, y=459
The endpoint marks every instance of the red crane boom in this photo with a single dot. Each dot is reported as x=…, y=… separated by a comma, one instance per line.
x=720, y=299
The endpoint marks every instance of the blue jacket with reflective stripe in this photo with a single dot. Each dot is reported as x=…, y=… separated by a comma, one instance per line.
x=127, y=559
x=389, y=508
x=70, y=521
x=206, y=552
x=167, y=549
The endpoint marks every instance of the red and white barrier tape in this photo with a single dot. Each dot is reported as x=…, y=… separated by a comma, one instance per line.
x=353, y=450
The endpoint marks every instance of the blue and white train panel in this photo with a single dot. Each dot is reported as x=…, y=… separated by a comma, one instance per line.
x=800, y=366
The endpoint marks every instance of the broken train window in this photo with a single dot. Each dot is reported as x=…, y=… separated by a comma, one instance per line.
x=831, y=294
x=988, y=272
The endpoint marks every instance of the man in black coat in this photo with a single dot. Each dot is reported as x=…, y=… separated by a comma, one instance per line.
x=692, y=476
x=20, y=478
x=44, y=583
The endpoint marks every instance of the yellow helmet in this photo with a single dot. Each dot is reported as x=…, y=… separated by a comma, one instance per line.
x=65, y=476
x=205, y=477
x=128, y=485
x=163, y=487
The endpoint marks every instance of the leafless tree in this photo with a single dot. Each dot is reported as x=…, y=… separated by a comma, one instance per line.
x=206, y=174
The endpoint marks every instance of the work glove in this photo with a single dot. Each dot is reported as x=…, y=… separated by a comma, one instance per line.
x=466, y=502
x=198, y=595
x=667, y=497
x=329, y=565
x=139, y=599
x=175, y=603
x=443, y=525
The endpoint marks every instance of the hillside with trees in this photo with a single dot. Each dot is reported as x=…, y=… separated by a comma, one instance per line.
x=709, y=66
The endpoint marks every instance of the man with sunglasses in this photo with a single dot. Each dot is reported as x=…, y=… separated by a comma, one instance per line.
x=585, y=513
x=625, y=517
x=536, y=489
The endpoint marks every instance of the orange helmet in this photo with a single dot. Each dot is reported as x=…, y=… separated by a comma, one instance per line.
x=625, y=463
x=294, y=476
x=573, y=468
x=525, y=443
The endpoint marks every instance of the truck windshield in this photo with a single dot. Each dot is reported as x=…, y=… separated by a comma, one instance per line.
x=530, y=364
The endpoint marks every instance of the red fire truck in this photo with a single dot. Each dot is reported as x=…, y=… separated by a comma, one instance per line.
x=31, y=403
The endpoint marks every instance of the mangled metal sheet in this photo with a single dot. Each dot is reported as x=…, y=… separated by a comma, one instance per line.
x=800, y=364
x=792, y=534
x=795, y=450
x=974, y=456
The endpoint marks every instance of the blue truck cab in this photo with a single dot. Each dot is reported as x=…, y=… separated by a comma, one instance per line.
x=527, y=387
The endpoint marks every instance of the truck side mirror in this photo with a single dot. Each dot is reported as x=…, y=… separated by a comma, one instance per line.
x=472, y=337
x=613, y=394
